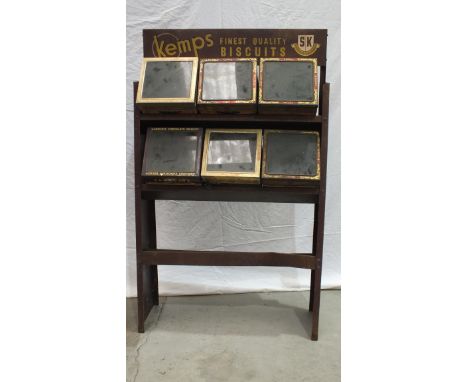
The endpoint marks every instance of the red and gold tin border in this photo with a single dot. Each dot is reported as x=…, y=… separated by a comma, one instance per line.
x=265, y=175
x=228, y=176
x=315, y=89
x=253, y=100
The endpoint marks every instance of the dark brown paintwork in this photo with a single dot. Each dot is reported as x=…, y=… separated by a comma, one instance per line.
x=149, y=256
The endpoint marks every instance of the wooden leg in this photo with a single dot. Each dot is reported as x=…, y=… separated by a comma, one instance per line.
x=316, y=276
x=311, y=295
x=145, y=274
x=147, y=278
x=145, y=230
x=319, y=217
x=316, y=308
x=141, y=301
x=314, y=251
x=156, y=286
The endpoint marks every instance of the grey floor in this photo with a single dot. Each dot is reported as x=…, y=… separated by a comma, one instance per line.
x=240, y=337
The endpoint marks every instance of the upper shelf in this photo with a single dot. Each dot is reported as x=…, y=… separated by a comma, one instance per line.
x=232, y=117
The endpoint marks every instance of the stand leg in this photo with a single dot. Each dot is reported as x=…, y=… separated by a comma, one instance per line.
x=319, y=215
x=316, y=274
x=311, y=296
x=314, y=251
x=316, y=306
x=156, y=286
x=147, y=275
x=145, y=229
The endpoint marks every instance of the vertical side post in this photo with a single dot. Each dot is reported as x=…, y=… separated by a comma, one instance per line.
x=319, y=218
x=314, y=252
x=323, y=76
x=145, y=231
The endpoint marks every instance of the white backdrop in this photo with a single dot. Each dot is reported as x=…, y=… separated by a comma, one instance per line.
x=238, y=226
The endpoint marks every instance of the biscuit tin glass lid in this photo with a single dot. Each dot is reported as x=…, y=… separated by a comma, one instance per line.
x=289, y=81
x=227, y=80
x=291, y=154
x=167, y=80
x=232, y=152
x=172, y=151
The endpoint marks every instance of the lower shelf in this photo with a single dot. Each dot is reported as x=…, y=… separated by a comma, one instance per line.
x=272, y=259
x=231, y=193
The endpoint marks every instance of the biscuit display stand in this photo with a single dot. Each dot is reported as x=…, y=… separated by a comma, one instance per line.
x=214, y=44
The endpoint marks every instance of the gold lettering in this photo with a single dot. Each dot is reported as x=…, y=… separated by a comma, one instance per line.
x=282, y=51
x=223, y=51
x=171, y=49
x=159, y=48
x=198, y=43
x=209, y=40
x=184, y=46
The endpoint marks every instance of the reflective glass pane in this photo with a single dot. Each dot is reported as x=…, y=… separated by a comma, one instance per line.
x=171, y=151
x=227, y=81
x=232, y=152
x=167, y=79
x=291, y=153
x=288, y=81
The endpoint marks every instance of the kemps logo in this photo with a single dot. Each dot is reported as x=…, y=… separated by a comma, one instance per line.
x=305, y=45
x=169, y=45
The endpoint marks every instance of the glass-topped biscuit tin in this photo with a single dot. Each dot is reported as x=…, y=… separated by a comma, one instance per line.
x=288, y=85
x=232, y=155
x=290, y=157
x=227, y=86
x=172, y=155
x=167, y=85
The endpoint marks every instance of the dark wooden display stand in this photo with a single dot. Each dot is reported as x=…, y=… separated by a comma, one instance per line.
x=149, y=256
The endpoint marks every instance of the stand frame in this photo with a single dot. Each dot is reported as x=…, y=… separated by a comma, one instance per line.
x=149, y=256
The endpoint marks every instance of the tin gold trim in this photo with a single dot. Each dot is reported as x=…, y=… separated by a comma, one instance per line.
x=177, y=174
x=236, y=177
x=216, y=102
x=191, y=98
x=314, y=102
x=286, y=176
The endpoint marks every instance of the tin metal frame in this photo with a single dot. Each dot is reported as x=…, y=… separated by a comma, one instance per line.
x=286, y=176
x=196, y=173
x=201, y=77
x=315, y=89
x=142, y=100
x=230, y=176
